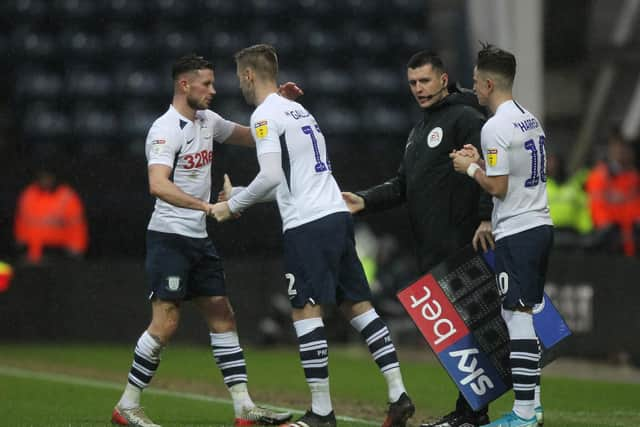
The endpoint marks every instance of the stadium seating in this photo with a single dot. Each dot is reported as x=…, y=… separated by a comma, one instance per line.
x=78, y=65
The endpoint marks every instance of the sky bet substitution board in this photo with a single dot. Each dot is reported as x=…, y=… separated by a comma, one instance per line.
x=456, y=307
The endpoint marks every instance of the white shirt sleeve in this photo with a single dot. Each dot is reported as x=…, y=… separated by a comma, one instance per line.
x=222, y=128
x=269, y=197
x=266, y=133
x=495, y=148
x=263, y=185
x=162, y=146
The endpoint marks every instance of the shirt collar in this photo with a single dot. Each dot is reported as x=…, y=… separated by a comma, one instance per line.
x=186, y=119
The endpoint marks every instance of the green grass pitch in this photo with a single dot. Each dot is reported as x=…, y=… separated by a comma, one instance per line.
x=77, y=385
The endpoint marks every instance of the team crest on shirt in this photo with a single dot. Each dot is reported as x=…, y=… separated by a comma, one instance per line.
x=492, y=156
x=261, y=129
x=435, y=137
x=173, y=283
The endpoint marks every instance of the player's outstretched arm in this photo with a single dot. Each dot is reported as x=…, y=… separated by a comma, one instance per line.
x=264, y=185
x=241, y=135
x=162, y=187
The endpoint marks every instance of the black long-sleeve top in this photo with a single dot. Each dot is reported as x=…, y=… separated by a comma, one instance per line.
x=445, y=207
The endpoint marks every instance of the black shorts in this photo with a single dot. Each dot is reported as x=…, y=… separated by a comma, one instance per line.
x=521, y=266
x=181, y=268
x=321, y=263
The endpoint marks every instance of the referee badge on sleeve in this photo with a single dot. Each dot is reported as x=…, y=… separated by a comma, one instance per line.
x=492, y=156
x=261, y=129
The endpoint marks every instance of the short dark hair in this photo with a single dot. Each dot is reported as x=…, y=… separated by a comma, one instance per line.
x=496, y=60
x=425, y=57
x=261, y=57
x=191, y=62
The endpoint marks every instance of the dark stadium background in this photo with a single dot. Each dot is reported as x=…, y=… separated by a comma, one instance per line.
x=82, y=81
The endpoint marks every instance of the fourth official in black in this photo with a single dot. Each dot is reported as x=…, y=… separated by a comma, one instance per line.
x=446, y=210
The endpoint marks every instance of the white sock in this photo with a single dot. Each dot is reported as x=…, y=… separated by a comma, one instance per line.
x=241, y=398
x=310, y=332
x=375, y=333
x=524, y=409
x=130, y=398
x=394, y=383
x=320, y=398
x=536, y=397
x=149, y=349
x=521, y=329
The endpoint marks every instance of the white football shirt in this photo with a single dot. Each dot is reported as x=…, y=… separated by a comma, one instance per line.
x=308, y=190
x=513, y=143
x=187, y=147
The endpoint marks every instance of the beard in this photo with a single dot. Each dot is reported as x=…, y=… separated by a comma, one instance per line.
x=197, y=104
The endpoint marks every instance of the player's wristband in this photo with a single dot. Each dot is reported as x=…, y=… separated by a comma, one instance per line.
x=471, y=170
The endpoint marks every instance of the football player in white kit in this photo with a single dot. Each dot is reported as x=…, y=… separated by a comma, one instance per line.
x=513, y=172
x=319, y=251
x=181, y=262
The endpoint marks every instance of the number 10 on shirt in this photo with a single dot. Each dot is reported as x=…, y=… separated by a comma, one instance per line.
x=534, y=179
x=320, y=165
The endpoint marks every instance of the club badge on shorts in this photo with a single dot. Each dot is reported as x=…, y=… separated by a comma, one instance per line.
x=435, y=137
x=173, y=283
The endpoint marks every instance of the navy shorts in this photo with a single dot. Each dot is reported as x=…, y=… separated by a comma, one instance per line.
x=180, y=268
x=521, y=266
x=321, y=263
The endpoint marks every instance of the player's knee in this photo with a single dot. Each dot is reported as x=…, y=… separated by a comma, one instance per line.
x=220, y=315
x=164, y=328
x=352, y=309
x=309, y=311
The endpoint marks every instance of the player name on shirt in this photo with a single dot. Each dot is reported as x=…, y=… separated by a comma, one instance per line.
x=527, y=125
x=297, y=114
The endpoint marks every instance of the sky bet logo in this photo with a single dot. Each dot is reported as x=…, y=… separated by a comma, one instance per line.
x=449, y=337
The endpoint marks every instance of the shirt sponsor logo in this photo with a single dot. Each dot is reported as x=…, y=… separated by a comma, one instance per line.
x=435, y=137
x=158, y=142
x=261, y=129
x=492, y=156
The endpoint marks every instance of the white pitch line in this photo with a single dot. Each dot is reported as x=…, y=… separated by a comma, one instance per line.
x=69, y=379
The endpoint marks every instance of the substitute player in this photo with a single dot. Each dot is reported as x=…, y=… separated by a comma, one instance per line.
x=513, y=172
x=182, y=263
x=319, y=251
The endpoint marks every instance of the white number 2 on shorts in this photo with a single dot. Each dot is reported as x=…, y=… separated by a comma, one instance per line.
x=292, y=280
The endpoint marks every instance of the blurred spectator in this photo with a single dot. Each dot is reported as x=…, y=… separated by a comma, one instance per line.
x=614, y=198
x=6, y=273
x=367, y=250
x=568, y=202
x=50, y=215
